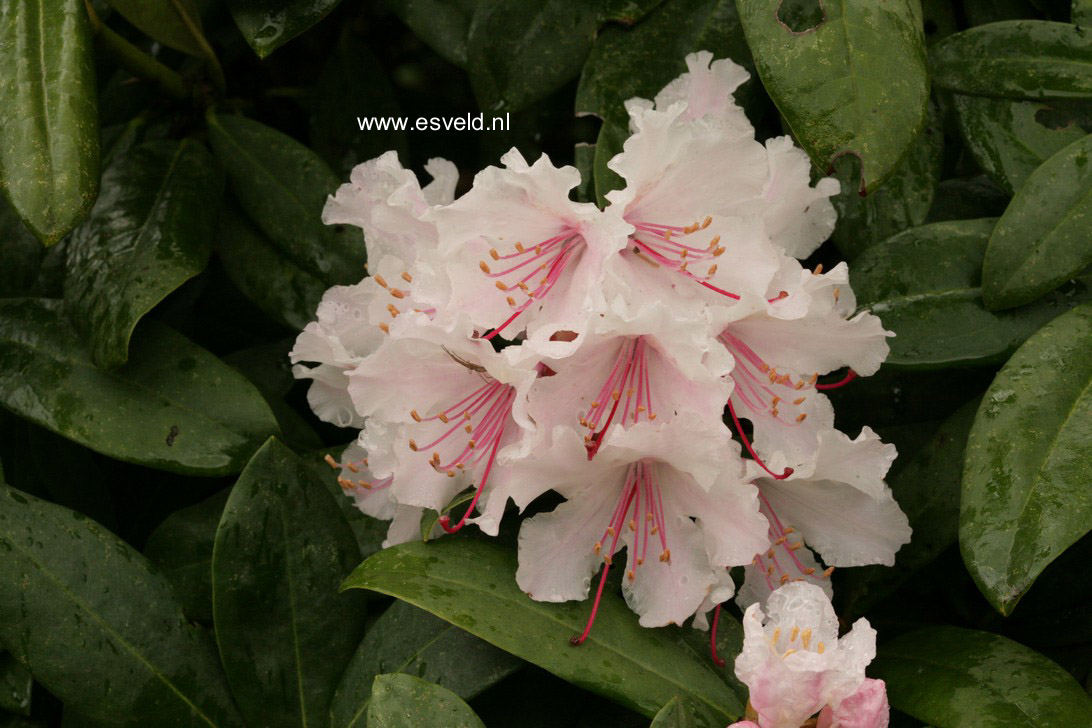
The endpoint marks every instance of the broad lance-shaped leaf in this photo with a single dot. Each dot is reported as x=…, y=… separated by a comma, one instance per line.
x=404, y=701
x=264, y=274
x=1025, y=479
x=1042, y=240
x=1010, y=139
x=925, y=285
x=951, y=677
x=174, y=406
x=640, y=61
x=902, y=202
x=98, y=626
x=49, y=128
x=267, y=24
x=412, y=641
x=284, y=631
x=282, y=185
x=1016, y=59
x=443, y=24
x=676, y=714
x=472, y=585
x=818, y=79
x=181, y=548
x=149, y=232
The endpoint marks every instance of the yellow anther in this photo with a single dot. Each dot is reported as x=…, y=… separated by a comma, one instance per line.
x=471, y=444
x=379, y=280
x=799, y=400
x=494, y=254
x=352, y=468
x=416, y=417
x=407, y=277
x=393, y=310
x=511, y=301
x=398, y=293
x=794, y=634
x=331, y=462
x=632, y=525
x=413, y=445
x=520, y=248
x=451, y=473
x=802, y=416
x=598, y=548
x=829, y=571
x=666, y=556
x=385, y=328
x=501, y=286
x=820, y=647
x=442, y=417
x=630, y=575
x=469, y=429
x=483, y=266
x=708, y=221
x=805, y=639
x=712, y=269
x=818, y=270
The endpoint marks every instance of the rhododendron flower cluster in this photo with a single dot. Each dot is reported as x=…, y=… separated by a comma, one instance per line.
x=512, y=342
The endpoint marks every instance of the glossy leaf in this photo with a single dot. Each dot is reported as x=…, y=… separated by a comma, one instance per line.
x=15, y=685
x=285, y=633
x=264, y=274
x=282, y=185
x=174, y=406
x=149, y=232
x=1025, y=481
x=98, y=626
x=640, y=61
x=174, y=23
x=1016, y=59
x=471, y=584
x=1008, y=138
x=49, y=129
x=409, y=640
x=925, y=285
x=815, y=79
x=404, y=701
x=269, y=24
x=902, y=202
x=443, y=24
x=1042, y=239
x=927, y=490
x=519, y=52
x=676, y=714
x=181, y=548
x=951, y=677
x=353, y=79
x=21, y=252
x=369, y=532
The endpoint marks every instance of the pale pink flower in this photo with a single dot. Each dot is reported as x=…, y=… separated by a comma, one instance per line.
x=522, y=256
x=672, y=494
x=795, y=665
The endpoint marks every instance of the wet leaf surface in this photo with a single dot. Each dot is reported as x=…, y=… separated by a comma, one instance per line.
x=404, y=701
x=1025, y=481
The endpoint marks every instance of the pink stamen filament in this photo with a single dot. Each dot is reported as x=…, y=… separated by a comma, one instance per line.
x=747, y=444
x=552, y=255
x=718, y=661
x=641, y=483
x=849, y=377
x=629, y=377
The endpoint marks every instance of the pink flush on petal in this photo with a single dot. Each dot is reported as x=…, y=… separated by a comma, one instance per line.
x=529, y=273
x=469, y=433
x=640, y=508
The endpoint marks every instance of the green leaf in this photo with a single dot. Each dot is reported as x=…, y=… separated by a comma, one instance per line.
x=404, y=701
x=285, y=633
x=640, y=61
x=902, y=202
x=49, y=129
x=282, y=185
x=174, y=23
x=967, y=198
x=856, y=84
x=1016, y=59
x=519, y=52
x=181, y=548
x=98, y=626
x=269, y=24
x=149, y=232
x=472, y=585
x=927, y=490
x=369, y=532
x=174, y=406
x=952, y=677
x=409, y=640
x=21, y=252
x=443, y=24
x=1042, y=239
x=924, y=284
x=1082, y=12
x=263, y=273
x=15, y=685
x=676, y=714
x=353, y=81
x=1009, y=139
x=1025, y=480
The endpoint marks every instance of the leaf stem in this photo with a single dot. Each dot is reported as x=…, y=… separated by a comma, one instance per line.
x=137, y=61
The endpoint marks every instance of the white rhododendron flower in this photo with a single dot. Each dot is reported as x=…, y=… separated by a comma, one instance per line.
x=795, y=665
x=514, y=343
